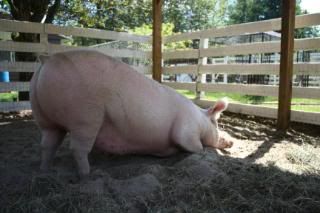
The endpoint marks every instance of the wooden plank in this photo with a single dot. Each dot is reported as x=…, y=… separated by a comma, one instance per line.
x=182, y=86
x=242, y=69
x=33, y=66
x=95, y=33
x=124, y=53
x=306, y=69
x=14, y=86
x=21, y=46
x=184, y=54
x=14, y=106
x=20, y=26
x=182, y=37
x=259, y=69
x=286, y=64
x=19, y=66
x=261, y=90
x=246, y=28
x=120, y=53
x=247, y=89
x=243, y=109
x=307, y=20
x=298, y=116
x=143, y=69
x=305, y=117
x=242, y=49
x=306, y=92
x=188, y=69
x=258, y=48
x=157, y=40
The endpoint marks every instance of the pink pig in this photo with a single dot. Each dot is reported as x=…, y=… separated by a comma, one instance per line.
x=104, y=103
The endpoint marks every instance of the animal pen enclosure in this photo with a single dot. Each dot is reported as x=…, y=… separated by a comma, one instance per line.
x=264, y=171
x=202, y=61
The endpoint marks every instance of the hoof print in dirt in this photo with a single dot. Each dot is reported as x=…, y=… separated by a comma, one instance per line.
x=202, y=171
x=194, y=159
x=93, y=187
x=141, y=186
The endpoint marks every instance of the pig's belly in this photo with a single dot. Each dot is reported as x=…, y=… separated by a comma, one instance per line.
x=109, y=140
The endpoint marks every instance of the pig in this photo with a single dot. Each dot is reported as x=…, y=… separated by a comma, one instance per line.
x=105, y=104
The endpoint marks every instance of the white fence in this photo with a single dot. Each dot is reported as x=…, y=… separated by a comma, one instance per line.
x=204, y=52
x=201, y=55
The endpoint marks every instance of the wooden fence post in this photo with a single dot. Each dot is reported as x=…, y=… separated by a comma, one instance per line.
x=156, y=40
x=201, y=78
x=286, y=63
x=44, y=38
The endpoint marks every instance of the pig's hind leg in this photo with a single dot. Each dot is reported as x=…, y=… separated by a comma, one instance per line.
x=50, y=141
x=82, y=140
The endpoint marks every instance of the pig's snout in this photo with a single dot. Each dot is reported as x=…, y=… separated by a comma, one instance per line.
x=225, y=140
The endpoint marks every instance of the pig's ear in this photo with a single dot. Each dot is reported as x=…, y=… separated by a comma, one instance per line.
x=218, y=107
x=43, y=58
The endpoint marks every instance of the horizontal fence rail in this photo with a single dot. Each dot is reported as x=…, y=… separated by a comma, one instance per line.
x=243, y=69
x=259, y=90
x=246, y=28
x=33, y=66
x=261, y=111
x=242, y=49
x=31, y=27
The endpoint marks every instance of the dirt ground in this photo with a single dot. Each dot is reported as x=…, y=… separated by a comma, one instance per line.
x=265, y=171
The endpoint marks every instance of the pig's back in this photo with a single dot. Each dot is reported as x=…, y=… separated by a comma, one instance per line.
x=77, y=85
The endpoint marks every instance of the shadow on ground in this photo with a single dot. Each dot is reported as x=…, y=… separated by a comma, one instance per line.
x=206, y=182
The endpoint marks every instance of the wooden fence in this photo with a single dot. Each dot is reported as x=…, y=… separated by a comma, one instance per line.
x=201, y=54
x=204, y=51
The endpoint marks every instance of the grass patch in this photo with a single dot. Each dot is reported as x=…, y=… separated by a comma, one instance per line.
x=8, y=97
x=302, y=104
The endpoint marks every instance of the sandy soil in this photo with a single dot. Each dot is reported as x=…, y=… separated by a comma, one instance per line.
x=265, y=171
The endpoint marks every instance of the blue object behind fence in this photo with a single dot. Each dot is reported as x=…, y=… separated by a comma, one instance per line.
x=4, y=76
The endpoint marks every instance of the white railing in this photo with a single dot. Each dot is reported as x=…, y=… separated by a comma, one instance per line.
x=205, y=52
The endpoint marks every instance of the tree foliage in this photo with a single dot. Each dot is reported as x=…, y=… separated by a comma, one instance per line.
x=167, y=30
x=117, y=15
x=257, y=10
x=190, y=15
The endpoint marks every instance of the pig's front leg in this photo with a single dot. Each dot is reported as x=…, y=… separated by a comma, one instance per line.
x=186, y=136
x=225, y=140
x=188, y=140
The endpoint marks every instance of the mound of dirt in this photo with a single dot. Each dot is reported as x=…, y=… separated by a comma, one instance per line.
x=265, y=171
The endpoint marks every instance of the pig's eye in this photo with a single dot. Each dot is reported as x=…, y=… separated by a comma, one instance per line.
x=214, y=122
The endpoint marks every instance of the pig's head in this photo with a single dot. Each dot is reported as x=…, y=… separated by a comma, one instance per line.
x=219, y=138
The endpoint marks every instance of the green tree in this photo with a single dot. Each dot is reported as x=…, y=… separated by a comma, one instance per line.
x=256, y=10
x=190, y=15
x=167, y=30
x=116, y=15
